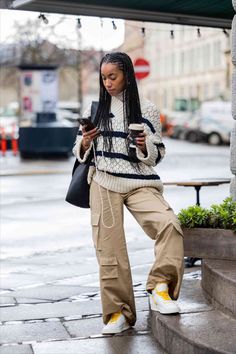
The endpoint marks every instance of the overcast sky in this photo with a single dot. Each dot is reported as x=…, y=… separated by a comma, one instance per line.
x=93, y=33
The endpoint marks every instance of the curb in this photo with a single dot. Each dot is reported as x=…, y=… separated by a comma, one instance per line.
x=33, y=173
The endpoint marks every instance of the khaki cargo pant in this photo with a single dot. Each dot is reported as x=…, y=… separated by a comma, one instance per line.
x=158, y=221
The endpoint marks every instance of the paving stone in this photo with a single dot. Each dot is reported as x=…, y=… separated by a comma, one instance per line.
x=5, y=292
x=50, y=292
x=94, y=284
x=93, y=326
x=142, y=270
x=14, y=280
x=140, y=244
x=77, y=317
x=9, y=266
x=6, y=305
x=142, y=304
x=61, y=271
x=84, y=327
x=28, y=300
x=32, y=332
x=58, y=309
x=109, y=345
x=32, y=321
x=6, y=300
x=138, y=277
x=14, y=322
x=88, y=293
x=140, y=293
x=140, y=257
x=90, y=280
x=61, y=257
x=16, y=349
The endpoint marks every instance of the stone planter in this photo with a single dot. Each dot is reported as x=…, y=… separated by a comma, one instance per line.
x=210, y=243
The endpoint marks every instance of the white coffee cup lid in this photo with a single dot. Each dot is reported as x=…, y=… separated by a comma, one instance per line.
x=136, y=126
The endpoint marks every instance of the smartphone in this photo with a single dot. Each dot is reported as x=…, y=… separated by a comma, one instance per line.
x=86, y=121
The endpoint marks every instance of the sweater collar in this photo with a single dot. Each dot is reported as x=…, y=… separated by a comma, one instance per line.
x=120, y=96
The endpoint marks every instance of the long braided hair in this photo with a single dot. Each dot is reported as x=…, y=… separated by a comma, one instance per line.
x=131, y=103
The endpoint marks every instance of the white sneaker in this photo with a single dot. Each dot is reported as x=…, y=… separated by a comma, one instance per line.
x=116, y=324
x=160, y=300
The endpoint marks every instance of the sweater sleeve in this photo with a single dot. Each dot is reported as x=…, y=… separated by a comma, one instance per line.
x=78, y=142
x=152, y=127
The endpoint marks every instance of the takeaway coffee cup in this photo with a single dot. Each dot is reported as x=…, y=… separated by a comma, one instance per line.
x=134, y=129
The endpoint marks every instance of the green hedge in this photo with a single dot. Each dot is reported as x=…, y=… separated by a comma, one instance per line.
x=218, y=216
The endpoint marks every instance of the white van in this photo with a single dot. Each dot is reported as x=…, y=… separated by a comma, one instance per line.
x=213, y=122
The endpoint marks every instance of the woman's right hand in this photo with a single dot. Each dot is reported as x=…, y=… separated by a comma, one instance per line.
x=88, y=137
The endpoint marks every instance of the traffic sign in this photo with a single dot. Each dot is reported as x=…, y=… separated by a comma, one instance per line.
x=141, y=68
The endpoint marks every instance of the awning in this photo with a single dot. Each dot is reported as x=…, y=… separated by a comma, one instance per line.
x=217, y=13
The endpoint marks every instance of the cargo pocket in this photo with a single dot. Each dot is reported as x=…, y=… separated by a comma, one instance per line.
x=95, y=228
x=109, y=267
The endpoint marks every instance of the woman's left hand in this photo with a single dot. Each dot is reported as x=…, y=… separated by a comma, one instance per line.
x=141, y=142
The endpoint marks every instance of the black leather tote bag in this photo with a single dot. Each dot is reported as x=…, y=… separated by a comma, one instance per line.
x=78, y=191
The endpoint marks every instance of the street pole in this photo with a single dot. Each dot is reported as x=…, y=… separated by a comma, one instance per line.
x=101, y=40
x=79, y=69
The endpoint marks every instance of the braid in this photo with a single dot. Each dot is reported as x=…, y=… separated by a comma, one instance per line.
x=131, y=106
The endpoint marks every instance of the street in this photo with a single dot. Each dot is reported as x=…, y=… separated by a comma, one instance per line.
x=49, y=275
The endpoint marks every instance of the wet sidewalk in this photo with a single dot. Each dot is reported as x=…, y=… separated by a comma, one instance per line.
x=15, y=166
x=50, y=304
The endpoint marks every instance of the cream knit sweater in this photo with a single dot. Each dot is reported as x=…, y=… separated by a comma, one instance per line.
x=114, y=171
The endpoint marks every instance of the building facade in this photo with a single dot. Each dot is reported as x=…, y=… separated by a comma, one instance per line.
x=185, y=62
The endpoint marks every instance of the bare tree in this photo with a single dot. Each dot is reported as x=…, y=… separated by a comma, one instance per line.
x=33, y=43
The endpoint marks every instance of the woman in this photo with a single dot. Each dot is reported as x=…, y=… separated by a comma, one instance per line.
x=125, y=176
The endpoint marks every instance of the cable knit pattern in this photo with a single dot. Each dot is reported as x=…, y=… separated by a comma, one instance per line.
x=114, y=170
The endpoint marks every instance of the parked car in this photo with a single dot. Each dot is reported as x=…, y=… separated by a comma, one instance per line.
x=191, y=130
x=212, y=123
x=183, y=110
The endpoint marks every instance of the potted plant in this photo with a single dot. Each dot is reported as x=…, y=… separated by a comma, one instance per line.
x=210, y=233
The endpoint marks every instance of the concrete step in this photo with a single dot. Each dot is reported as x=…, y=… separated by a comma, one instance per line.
x=198, y=329
x=219, y=284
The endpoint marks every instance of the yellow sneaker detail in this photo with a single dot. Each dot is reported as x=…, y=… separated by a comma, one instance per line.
x=160, y=300
x=116, y=324
x=164, y=295
x=114, y=317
